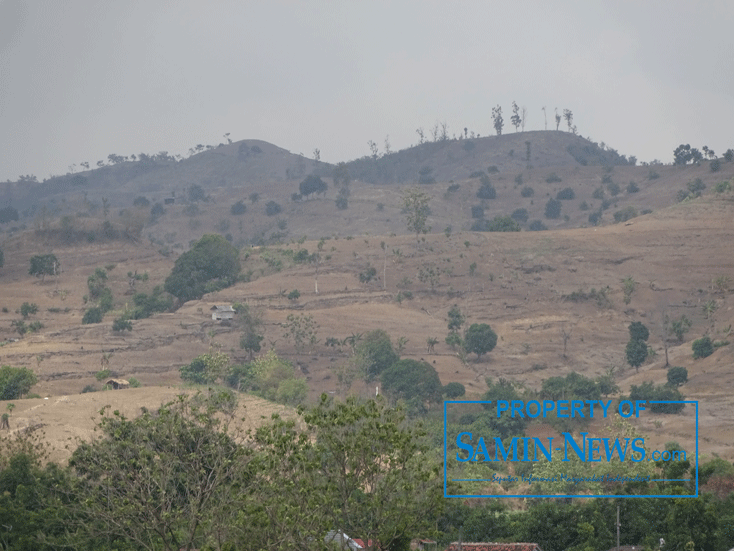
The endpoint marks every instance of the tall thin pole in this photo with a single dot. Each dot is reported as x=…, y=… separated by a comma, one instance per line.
x=618, y=525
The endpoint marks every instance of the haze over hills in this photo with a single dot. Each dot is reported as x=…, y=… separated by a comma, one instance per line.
x=531, y=286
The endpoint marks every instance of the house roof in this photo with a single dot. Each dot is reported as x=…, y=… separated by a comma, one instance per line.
x=223, y=308
x=488, y=546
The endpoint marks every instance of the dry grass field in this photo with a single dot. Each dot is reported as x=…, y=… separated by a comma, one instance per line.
x=519, y=283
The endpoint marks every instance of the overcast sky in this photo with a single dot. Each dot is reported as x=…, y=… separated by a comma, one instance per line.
x=82, y=79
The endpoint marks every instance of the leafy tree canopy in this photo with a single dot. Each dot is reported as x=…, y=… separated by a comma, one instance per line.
x=43, y=265
x=212, y=260
x=15, y=381
x=480, y=339
x=375, y=354
x=312, y=184
x=638, y=331
x=413, y=381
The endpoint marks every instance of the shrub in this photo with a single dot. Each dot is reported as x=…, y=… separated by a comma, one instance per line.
x=553, y=209
x=632, y=188
x=122, y=324
x=652, y=175
x=93, y=315
x=476, y=174
x=677, y=376
x=102, y=374
x=552, y=178
x=520, y=215
x=729, y=155
x=477, y=211
x=625, y=214
x=487, y=191
x=26, y=309
x=527, y=191
x=295, y=294
x=141, y=201
x=492, y=169
x=702, y=348
x=649, y=392
x=598, y=193
x=721, y=187
x=584, y=206
x=537, y=225
x=238, y=208
x=454, y=390
x=497, y=224
x=715, y=165
x=272, y=208
x=566, y=194
x=613, y=188
x=89, y=388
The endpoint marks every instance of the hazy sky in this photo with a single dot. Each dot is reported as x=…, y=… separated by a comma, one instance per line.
x=82, y=79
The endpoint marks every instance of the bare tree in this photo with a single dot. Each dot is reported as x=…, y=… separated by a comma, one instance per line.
x=565, y=335
x=524, y=115
x=545, y=118
x=421, y=135
x=568, y=115
x=558, y=119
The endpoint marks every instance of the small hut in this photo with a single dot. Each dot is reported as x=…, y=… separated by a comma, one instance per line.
x=117, y=384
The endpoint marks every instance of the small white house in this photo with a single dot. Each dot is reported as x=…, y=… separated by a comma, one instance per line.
x=223, y=313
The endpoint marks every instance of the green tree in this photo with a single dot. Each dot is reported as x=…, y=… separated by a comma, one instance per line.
x=312, y=184
x=92, y=315
x=415, y=206
x=211, y=264
x=454, y=390
x=122, y=324
x=43, y=265
x=26, y=309
x=702, y=348
x=172, y=479
x=207, y=368
x=272, y=208
x=375, y=354
x=480, y=339
x=497, y=121
x=456, y=319
x=413, y=381
x=677, y=376
x=636, y=353
x=638, y=331
x=553, y=209
x=15, y=382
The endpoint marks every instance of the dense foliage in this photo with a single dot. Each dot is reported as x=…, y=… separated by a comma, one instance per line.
x=211, y=264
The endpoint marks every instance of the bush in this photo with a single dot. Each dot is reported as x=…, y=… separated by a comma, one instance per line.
x=487, y=191
x=477, y=211
x=454, y=390
x=527, y=191
x=625, y=214
x=613, y=188
x=26, y=309
x=566, y=194
x=479, y=339
x=15, y=382
x=649, y=392
x=89, y=388
x=295, y=294
x=598, y=193
x=677, y=376
x=552, y=178
x=595, y=217
x=721, y=187
x=632, y=188
x=537, y=225
x=141, y=201
x=497, y=224
x=238, y=208
x=102, y=375
x=272, y=208
x=196, y=372
x=553, y=209
x=122, y=324
x=134, y=383
x=715, y=165
x=702, y=348
x=93, y=315
x=520, y=215
x=584, y=206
